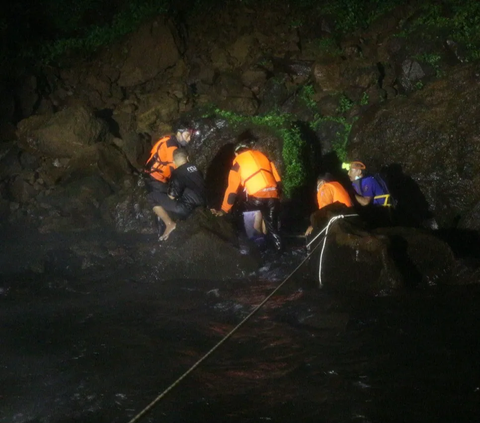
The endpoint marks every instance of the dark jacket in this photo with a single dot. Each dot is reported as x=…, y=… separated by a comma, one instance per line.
x=188, y=186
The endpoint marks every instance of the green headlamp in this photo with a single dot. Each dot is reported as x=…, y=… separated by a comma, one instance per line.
x=346, y=166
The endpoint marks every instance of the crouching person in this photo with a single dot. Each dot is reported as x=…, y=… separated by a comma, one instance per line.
x=186, y=191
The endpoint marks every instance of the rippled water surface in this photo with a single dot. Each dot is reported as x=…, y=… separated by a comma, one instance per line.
x=99, y=350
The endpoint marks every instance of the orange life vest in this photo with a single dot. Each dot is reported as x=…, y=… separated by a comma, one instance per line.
x=256, y=173
x=330, y=192
x=160, y=164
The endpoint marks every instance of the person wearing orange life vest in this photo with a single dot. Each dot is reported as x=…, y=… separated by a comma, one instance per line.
x=329, y=192
x=160, y=164
x=260, y=179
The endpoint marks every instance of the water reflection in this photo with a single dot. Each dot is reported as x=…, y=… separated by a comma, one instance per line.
x=99, y=351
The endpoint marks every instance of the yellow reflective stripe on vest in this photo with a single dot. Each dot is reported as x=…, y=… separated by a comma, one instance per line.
x=386, y=203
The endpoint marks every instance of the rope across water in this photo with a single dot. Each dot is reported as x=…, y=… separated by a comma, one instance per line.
x=236, y=328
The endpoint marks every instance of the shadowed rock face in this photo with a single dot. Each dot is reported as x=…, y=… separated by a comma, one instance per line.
x=381, y=260
x=87, y=129
x=433, y=138
x=206, y=247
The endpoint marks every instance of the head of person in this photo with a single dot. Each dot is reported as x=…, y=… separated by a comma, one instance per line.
x=356, y=170
x=184, y=133
x=245, y=141
x=323, y=178
x=180, y=157
x=241, y=147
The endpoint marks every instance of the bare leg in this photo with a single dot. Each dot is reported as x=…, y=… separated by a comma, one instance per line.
x=259, y=223
x=169, y=223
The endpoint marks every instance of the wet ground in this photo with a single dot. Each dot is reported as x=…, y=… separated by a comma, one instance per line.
x=99, y=347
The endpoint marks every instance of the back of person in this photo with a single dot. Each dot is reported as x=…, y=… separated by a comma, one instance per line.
x=257, y=173
x=331, y=192
x=160, y=164
x=370, y=186
x=187, y=185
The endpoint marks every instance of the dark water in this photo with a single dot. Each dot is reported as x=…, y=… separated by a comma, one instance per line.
x=100, y=349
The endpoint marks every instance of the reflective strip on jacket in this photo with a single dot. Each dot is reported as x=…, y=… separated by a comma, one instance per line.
x=330, y=192
x=160, y=164
x=256, y=173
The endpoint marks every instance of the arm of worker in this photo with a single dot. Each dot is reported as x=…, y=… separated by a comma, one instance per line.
x=363, y=201
x=175, y=188
x=363, y=192
x=232, y=189
x=276, y=175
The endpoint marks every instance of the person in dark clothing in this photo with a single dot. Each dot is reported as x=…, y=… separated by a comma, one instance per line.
x=159, y=166
x=186, y=191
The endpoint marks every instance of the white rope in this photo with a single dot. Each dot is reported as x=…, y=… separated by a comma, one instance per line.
x=314, y=239
x=333, y=219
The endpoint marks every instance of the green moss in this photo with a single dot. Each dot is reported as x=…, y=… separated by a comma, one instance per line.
x=282, y=126
x=364, y=100
x=345, y=104
x=458, y=20
x=306, y=94
x=97, y=36
x=328, y=47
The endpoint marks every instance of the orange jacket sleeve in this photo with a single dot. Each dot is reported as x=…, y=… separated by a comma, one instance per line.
x=276, y=175
x=234, y=181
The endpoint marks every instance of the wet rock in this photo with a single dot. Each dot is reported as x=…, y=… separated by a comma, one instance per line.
x=231, y=94
x=379, y=260
x=328, y=76
x=433, y=138
x=361, y=76
x=273, y=95
x=471, y=219
x=150, y=51
x=129, y=211
x=154, y=108
x=411, y=73
x=331, y=135
x=67, y=133
x=136, y=148
x=254, y=79
x=242, y=49
x=74, y=205
x=21, y=190
x=205, y=247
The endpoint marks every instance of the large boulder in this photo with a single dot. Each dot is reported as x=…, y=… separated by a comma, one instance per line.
x=206, y=247
x=68, y=133
x=359, y=259
x=150, y=50
x=433, y=137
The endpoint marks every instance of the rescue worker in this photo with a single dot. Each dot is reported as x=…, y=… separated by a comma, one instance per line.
x=160, y=164
x=329, y=192
x=261, y=181
x=368, y=188
x=186, y=191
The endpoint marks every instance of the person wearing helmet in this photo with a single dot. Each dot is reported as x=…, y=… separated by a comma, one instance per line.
x=329, y=192
x=369, y=189
x=160, y=164
x=253, y=171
